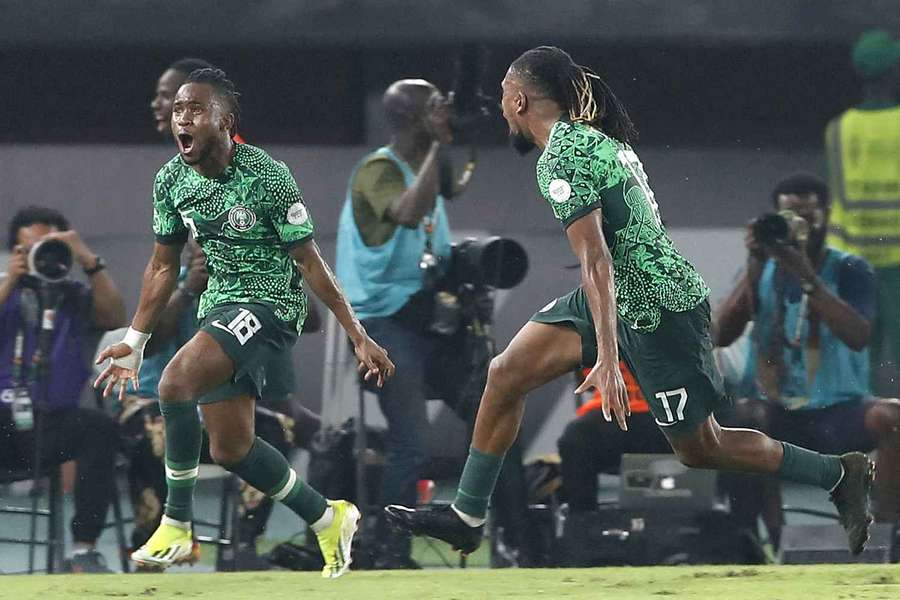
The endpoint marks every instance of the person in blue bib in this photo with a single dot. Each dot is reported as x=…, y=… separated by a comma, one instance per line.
x=812, y=307
x=394, y=218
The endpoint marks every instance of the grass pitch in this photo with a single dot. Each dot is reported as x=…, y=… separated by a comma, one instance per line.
x=823, y=582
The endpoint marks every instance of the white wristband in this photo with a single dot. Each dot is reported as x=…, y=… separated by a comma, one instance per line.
x=136, y=340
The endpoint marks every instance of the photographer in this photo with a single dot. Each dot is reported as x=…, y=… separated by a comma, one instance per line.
x=47, y=373
x=812, y=307
x=393, y=226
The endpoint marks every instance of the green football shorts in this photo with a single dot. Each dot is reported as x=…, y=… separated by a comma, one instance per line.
x=673, y=364
x=251, y=335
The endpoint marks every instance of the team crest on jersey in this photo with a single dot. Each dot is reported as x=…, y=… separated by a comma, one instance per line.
x=559, y=190
x=297, y=214
x=241, y=218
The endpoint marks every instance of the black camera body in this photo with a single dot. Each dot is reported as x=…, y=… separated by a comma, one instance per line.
x=461, y=289
x=471, y=108
x=495, y=262
x=783, y=228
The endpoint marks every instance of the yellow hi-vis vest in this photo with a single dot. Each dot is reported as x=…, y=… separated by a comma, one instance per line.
x=863, y=152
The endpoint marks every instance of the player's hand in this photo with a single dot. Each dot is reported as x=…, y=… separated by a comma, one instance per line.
x=373, y=360
x=17, y=265
x=124, y=366
x=614, y=395
x=437, y=118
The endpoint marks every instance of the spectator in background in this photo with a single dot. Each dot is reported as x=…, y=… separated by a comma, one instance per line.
x=68, y=431
x=812, y=307
x=863, y=152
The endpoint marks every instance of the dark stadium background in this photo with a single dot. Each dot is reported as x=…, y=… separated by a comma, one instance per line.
x=728, y=96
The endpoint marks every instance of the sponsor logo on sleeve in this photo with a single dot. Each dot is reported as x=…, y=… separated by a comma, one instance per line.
x=559, y=190
x=297, y=214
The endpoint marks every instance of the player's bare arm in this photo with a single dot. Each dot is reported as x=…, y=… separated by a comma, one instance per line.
x=586, y=238
x=373, y=360
x=160, y=278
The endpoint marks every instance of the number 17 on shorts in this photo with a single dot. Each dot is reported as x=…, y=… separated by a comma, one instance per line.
x=673, y=403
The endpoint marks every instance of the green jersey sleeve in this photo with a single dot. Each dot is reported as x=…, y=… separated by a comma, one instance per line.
x=288, y=212
x=577, y=170
x=168, y=225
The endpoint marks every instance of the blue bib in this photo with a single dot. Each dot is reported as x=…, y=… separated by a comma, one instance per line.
x=379, y=280
x=842, y=373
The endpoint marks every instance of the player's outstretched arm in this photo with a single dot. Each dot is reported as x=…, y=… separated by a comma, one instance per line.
x=160, y=278
x=373, y=359
x=586, y=238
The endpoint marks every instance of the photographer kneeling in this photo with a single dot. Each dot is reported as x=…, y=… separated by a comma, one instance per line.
x=45, y=369
x=812, y=307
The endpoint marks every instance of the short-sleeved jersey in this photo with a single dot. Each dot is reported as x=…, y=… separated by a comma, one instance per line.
x=246, y=220
x=582, y=169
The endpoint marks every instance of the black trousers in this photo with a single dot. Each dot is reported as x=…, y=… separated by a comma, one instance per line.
x=87, y=436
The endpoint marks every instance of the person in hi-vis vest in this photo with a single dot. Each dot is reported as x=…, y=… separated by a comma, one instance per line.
x=863, y=153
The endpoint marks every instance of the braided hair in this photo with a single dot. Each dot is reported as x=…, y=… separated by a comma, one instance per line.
x=223, y=87
x=189, y=65
x=583, y=94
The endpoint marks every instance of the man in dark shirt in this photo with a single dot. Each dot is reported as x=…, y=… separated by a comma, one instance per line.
x=812, y=306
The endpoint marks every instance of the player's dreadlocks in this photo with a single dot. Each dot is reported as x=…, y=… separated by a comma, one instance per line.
x=223, y=86
x=579, y=90
x=189, y=65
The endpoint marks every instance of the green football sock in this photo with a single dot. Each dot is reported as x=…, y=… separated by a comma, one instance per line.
x=183, y=437
x=266, y=469
x=805, y=466
x=477, y=483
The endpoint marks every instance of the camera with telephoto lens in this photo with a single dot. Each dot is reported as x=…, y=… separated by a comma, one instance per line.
x=496, y=262
x=50, y=261
x=785, y=228
x=463, y=286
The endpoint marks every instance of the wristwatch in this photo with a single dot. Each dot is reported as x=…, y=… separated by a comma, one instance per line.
x=98, y=266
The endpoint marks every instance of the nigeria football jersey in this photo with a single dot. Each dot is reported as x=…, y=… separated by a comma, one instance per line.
x=582, y=169
x=245, y=220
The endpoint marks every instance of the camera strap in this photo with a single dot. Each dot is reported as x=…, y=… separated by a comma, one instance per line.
x=29, y=309
x=428, y=222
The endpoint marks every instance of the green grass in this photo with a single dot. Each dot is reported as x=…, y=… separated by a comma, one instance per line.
x=824, y=582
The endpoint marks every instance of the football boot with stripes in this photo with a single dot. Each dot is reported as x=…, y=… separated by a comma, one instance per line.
x=169, y=545
x=336, y=539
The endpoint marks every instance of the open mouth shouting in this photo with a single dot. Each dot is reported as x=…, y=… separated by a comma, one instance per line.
x=185, y=142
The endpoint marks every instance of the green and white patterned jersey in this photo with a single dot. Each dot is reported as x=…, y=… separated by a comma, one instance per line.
x=245, y=220
x=582, y=169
